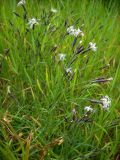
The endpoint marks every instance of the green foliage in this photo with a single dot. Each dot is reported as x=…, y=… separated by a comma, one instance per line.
x=42, y=106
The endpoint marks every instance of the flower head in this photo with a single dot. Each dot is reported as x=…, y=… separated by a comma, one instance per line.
x=92, y=46
x=70, y=29
x=20, y=3
x=62, y=57
x=32, y=22
x=74, y=111
x=54, y=10
x=110, y=79
x=75, y=32
x=80, y=42
x=88, y=109
x=106, y=102
x=69, y=70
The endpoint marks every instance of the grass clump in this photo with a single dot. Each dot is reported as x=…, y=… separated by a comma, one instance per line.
x=59, y=80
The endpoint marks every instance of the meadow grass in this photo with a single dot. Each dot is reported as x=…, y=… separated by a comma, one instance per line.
x=42, y=113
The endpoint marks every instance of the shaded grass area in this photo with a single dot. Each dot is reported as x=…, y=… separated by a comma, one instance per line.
x=37, y=97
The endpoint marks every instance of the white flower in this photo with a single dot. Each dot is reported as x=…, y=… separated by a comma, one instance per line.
x=75, y=32
x=110, y=79
x=106, y=102
x=80, y=42
x=93, y=46
x=88, y=109
x=54, y=10
x=69, y=70
x=70, y=29
x=74, y=111
x=22, y=2
x=32, y=22
x=62, y=57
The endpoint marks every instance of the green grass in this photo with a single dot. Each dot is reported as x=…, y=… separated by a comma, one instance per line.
x=37, y=97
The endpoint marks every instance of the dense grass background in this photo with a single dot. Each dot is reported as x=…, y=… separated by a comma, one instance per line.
x=37, y=98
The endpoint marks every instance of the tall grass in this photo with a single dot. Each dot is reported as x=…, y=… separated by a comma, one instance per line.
x=42, y=112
